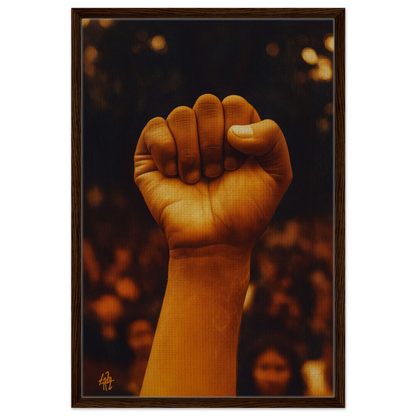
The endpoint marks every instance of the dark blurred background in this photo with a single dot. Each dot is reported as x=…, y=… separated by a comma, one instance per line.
x=134, y=70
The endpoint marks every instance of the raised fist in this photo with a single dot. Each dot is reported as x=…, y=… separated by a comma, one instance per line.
x=213, y=174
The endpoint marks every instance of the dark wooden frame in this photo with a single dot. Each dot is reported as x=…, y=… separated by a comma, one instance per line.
x=339, y=74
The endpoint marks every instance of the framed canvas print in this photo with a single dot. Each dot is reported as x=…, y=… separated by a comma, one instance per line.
x=208, y=207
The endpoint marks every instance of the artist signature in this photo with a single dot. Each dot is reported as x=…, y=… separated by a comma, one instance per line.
x=106, y=381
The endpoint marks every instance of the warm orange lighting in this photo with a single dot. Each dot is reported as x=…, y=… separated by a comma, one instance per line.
x=272, y=49
x=329, y=42
x=108, y=308
x=158, y=43
x=89, y=69
x=140, y=334
x=106, y=23
x=109, y=332
x=324, y=68
x=85, y=22
x=90, y=54
x=323, y=125
x=123, y=258
x=127, y=289
x=329, y=109
x=323, y=71
x=94, y=196
x=309, y=56
x=91, y=265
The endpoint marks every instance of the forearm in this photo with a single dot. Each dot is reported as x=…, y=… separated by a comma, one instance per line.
x=195, y=348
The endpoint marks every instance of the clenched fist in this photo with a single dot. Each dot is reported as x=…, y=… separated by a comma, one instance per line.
x=213, y=174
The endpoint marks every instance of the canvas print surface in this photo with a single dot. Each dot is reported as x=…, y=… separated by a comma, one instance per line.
x=207, y=208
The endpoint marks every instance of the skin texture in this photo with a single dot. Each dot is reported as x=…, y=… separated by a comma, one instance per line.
x=236, y=202
x=212, y=177
x=271, y=373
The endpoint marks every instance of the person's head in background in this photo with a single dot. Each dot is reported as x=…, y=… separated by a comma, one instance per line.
x=270, y=367
x=140, y=334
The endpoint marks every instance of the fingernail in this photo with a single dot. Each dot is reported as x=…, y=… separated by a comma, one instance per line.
x=171, y=168
x=242, y=131
x=193, y=176
x=230, y=163
x=213, y=170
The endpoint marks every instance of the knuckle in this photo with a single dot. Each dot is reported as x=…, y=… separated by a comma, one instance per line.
x=155, y=128
x=155, y=123
x=208, y=105
x=162, y=145
x=207, y=98
x=271, y=123
x=183, y=116
x=236, y=106
x=189, y=159
x=234, y=101
x=211, y=148
x=158, y=138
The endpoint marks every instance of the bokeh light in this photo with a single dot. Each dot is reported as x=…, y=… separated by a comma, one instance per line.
x=85, y=22
x=323, y=71
x=309, y=56
x=108, y=308
x=105, y=23
x=329, y=109
x=158, y=43
x=95, y=196
x=90, y=56
x=323, y=125
x=329, y=42
x=272, y=49
x=127, y=289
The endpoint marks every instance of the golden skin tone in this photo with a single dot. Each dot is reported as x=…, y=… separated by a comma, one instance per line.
x=212, y=177
x=271, y=373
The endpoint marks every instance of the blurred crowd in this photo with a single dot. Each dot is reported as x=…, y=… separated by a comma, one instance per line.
x=286, y=334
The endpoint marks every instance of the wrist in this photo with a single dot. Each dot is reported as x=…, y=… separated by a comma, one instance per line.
x=220, y=264
x=228, y=251
x=209, y=284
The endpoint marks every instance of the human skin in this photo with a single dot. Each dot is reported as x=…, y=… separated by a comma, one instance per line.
x=212, y=177
x=271, y=373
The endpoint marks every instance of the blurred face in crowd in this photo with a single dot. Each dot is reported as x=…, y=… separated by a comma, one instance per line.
x=140, y=337
x=272, y=373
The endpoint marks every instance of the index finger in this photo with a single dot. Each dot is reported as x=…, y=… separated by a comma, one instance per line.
x=237, y=111
x=156, y=149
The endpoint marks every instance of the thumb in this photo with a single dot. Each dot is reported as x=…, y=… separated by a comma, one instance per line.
x=266, y=142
